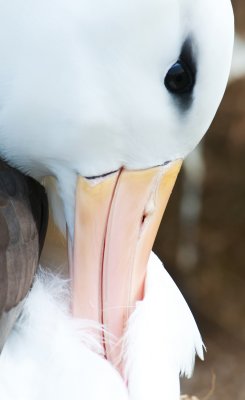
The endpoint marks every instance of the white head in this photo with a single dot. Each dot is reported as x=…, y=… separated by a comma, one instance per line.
x=83, y=83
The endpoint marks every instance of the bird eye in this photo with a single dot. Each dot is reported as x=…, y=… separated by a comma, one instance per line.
x=180, y=79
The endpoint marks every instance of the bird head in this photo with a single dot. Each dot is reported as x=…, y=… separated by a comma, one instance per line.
x=109, y=98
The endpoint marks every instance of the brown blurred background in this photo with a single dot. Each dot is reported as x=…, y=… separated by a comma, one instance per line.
x=202, y=240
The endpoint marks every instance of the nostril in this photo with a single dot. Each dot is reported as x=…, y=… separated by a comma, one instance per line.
x=143, y=218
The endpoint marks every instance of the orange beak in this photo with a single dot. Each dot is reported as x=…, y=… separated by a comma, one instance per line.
x=116, y=222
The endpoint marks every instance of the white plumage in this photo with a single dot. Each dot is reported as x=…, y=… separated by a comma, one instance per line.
x=162, y=335
x=51, y=355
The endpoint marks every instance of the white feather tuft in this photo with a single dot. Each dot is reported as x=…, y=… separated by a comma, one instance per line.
x=162, y=339
x=48, y=355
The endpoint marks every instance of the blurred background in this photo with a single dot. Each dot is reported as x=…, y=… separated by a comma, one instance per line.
x=202, y=239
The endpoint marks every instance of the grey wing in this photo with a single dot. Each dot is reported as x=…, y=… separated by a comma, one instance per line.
x=23, y=223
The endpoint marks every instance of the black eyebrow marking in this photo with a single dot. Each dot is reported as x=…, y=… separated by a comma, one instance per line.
x=188, y=56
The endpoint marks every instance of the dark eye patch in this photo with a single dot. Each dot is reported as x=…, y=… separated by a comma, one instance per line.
x=181, y=77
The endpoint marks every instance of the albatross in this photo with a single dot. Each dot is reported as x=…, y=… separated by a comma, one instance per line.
x=107, y=99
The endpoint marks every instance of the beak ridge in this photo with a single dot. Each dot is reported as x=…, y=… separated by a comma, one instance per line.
x=116, y=222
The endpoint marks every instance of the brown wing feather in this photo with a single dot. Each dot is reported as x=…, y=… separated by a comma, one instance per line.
x=23, y=224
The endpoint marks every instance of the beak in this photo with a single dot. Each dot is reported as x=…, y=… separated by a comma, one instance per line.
x=116, y=222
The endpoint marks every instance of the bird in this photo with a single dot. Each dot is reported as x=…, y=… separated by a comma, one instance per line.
x=107, y=99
